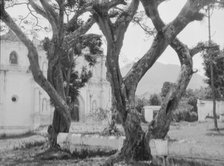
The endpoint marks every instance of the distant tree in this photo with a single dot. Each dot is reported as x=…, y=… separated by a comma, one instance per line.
x=155, y=99
x=189, y=93
x=211, y=58
x=203, y=93
x=192, y=100
x=139, y=104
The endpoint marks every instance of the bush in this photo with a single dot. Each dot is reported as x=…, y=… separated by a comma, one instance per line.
x=155, y=100
x=193, y=102
x=185, y=112
x=100, y=115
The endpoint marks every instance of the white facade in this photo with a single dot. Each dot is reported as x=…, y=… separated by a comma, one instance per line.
x=23, y=104
x=97, y=92
x=149, y=112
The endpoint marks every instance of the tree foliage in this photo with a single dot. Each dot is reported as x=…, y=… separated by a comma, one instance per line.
x=211, y=57
x=155, y=100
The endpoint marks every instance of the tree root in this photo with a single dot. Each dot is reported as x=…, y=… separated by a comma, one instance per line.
x=120, y=158
x=117, y=157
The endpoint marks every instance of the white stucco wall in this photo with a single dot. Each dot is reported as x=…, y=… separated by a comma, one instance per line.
x=96, y=93
x=18, y=113
x=148, y=112
x=205, y=107
x=17, y=81
x=7, y=47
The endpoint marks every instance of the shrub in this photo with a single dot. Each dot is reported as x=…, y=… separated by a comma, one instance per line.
x=185, y=112
x=155, y=100
x=193, y=102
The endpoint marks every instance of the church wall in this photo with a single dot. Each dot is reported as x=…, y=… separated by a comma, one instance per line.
x=17, y=100
x=2, y=92
x=83, y=104
x=20, y=50
x=16, y=83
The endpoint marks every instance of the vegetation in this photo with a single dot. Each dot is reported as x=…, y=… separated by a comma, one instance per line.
x=211, y=57
x=155, y=99
x=113, y=21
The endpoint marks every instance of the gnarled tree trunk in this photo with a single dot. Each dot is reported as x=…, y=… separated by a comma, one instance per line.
x=160, y=126
x=123, y=89
x=55, y=77
x=136, y=144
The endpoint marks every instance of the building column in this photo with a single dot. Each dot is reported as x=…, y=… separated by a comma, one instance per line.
x=36, y=116
x=2, y=97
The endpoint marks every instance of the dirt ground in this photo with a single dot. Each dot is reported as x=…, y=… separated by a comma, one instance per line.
x=195, y=140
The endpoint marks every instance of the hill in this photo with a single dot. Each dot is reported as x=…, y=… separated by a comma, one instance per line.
x=159, y=73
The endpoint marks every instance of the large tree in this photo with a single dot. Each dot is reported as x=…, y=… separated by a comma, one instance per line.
x=135, y=146
x=68, y=39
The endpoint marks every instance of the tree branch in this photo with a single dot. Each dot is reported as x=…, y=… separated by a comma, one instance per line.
x=124, y=20
x=38, y=9
x=113, y=3
x=163, y=38
x=61, y=21
x=85, y=8
x=161, y=123
x=52, y=15
x=182, y=51
x=198, y=48
x=71, y=39
x=151, y=10
x=103, y=20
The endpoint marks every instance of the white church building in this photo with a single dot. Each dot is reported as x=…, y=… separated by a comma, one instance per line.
x=24, y=106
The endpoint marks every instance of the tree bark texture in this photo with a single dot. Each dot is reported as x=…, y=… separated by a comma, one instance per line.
x=135, y=146
x=55, y=77
x=161, y=123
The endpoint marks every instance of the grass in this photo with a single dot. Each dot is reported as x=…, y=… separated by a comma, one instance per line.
x=88, y=152
x=27, y=134
x=29, y=145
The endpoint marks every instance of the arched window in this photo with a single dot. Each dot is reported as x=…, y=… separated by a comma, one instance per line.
x=13, y=58
x=44, y=105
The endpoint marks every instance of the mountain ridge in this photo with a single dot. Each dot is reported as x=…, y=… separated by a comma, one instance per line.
x=153, y=80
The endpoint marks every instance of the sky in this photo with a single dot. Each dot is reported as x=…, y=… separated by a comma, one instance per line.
x=136, y=43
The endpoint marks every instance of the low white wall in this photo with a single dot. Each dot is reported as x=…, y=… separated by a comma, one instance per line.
x=69, y=141
x=205, y=108
x=148, y=111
